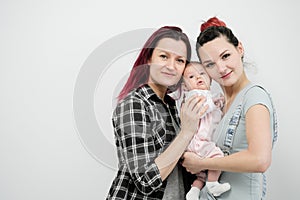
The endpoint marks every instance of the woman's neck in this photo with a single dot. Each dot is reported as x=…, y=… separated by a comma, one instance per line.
x=231, y=91
x=159, y=90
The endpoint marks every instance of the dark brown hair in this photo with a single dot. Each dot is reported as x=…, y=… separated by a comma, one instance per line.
x=214, y=28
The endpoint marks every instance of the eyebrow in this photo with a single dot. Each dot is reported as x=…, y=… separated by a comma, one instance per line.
x=161, y=50
x=225, y=51
x=221, y=54
x=207, y=61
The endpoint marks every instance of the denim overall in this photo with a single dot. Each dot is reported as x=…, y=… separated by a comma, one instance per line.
x=229, y=138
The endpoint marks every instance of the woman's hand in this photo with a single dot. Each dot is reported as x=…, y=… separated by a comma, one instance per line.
x=192, y=162
x=191, y=111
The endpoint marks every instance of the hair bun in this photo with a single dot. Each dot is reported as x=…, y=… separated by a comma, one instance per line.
x=214, y=21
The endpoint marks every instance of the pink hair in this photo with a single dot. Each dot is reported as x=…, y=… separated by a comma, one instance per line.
x=139, y=74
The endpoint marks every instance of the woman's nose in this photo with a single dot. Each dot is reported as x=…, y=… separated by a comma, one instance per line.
x=221, y=67
x=171, y=64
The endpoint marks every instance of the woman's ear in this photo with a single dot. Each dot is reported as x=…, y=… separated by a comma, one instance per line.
x=240, y=49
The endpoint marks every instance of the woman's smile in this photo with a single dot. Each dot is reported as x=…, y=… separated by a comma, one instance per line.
x=226, y=76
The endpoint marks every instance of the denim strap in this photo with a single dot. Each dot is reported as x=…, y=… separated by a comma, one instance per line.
x=233, y=123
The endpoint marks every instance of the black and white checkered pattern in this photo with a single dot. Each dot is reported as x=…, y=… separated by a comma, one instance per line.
x=143, y=128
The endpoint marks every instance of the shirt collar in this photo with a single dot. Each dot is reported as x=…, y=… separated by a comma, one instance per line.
x=148, y=93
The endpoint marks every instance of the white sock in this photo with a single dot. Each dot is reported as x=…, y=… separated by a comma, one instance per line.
x=217, y=188
x=193, y=194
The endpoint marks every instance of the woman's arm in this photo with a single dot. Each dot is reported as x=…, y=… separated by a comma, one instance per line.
x=256, y=158
x=190, y=114
x=137, y=148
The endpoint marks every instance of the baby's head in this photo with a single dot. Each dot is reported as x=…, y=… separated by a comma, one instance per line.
x=195, y=77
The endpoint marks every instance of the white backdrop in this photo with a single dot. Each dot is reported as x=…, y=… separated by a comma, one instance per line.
x=49, y=48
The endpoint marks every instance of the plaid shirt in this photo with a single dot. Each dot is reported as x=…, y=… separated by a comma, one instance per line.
x=143, y=129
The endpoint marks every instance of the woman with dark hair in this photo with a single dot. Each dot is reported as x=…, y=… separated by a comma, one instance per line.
x=149, y=137
x=248, y=129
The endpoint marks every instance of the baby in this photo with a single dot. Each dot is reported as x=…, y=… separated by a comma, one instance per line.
x=197, y=81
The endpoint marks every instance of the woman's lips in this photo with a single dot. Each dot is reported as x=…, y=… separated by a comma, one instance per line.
x=168, y=74
x=226, y=75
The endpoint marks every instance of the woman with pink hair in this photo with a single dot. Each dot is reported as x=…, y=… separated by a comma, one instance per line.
x=149, y=136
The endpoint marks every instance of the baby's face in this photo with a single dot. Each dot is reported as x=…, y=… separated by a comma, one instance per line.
x=195, y=77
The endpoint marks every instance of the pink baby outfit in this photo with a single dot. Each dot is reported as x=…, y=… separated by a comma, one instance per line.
x=202, y=143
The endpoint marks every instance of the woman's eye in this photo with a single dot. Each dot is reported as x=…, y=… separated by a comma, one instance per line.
x=225, y=56
x=181, y=60
x=210, y=65
x=163, y=56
